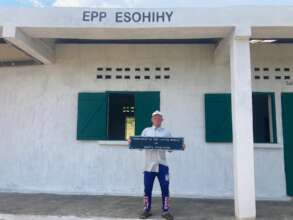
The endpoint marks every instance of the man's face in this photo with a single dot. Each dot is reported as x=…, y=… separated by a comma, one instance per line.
x=157, y=120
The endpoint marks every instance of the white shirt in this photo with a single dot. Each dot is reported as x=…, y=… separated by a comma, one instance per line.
x=154, y=157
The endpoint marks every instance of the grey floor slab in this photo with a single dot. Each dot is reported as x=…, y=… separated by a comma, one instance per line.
x=121, y=207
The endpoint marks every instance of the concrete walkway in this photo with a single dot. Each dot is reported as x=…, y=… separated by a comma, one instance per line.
x=16, y=206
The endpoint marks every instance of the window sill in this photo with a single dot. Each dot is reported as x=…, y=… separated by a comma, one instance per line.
x=277, y=146
x=113, y=143
x=268, y=146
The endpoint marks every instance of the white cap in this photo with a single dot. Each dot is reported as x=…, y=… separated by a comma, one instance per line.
x=157, y=113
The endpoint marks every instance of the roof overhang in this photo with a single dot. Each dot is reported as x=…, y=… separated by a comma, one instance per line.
x=30, y=29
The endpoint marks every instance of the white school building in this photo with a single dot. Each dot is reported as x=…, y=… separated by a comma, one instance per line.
x=76, y=82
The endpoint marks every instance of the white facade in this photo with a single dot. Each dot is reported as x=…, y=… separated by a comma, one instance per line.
x=38, y=147
x=39, y=151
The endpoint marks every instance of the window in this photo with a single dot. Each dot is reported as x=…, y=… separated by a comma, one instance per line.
x=121, y=116
x=264, y=124
x=114, y=115
x=218, y=118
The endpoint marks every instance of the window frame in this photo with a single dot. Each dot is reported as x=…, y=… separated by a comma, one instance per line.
x=273, y=119
x=106, y=140
x=273, y=122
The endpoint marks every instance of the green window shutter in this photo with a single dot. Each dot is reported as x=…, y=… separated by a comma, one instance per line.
x=145, y=104
x=218, y=118
x=287, y=119
x=92, y=116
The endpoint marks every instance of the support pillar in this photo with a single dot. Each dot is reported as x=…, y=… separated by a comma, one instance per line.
x=243, y=146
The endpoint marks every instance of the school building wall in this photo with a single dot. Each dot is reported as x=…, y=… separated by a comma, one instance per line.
x=39, y=151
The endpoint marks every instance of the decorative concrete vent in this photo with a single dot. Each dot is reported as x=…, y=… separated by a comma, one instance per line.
x=18, y=63
x=277, y=73
x=139, y=73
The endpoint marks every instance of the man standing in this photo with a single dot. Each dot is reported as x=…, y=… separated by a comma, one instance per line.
x=156, y=166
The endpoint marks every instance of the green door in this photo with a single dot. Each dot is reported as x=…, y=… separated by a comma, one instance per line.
x=287, y=114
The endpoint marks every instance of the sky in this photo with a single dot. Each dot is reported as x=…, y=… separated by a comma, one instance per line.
x=137, y=3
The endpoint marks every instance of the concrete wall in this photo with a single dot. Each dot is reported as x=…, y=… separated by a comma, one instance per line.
x=38, y=147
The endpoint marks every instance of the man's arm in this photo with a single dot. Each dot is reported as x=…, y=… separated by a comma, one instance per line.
x=142, y=134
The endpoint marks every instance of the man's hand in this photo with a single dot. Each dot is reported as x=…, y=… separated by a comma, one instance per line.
x=183, y=146
x=129, y=142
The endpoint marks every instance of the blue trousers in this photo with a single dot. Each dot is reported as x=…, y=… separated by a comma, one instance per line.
x=163, y=177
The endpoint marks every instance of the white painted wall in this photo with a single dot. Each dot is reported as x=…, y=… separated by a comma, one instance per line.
x=38, y=147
